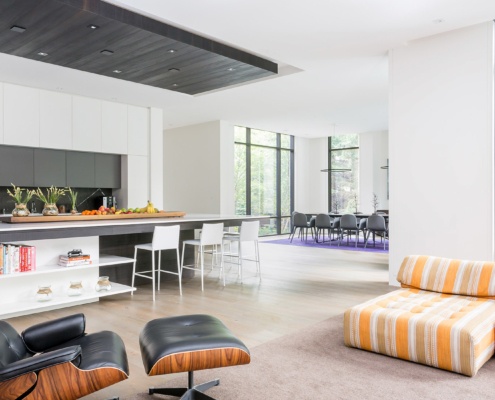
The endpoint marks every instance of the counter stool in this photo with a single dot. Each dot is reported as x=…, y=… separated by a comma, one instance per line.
x=186, y=344
x=164, y=238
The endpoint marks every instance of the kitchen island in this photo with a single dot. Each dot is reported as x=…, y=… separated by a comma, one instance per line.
x=110, y=245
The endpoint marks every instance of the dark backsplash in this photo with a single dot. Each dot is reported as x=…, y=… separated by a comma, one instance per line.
x=87, y=199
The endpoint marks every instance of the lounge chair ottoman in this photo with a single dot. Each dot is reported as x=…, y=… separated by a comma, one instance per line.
x=186, y=344
x=444, y=316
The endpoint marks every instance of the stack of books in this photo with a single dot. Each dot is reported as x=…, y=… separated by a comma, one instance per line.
x=17, y=258
x=72, y=261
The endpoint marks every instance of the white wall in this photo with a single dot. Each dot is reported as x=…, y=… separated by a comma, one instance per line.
x=373, y=154
x=197, y=159
x=441, y=146
x=310, y=184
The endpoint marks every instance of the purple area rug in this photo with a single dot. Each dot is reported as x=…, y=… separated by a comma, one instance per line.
x=378, y=248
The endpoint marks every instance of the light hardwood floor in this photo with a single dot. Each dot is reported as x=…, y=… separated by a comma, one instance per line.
x=300, y=286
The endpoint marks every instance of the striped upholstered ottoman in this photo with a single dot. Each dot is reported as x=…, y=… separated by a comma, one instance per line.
x=443, y=317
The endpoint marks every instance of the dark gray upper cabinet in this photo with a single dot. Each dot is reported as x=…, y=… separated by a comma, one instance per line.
x=49, y=168
x=16, y=166
x=80, y=169
x=107, y=171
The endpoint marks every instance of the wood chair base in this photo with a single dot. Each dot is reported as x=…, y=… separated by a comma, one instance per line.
x=193, y=392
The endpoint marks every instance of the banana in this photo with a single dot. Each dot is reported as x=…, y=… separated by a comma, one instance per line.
x=150, y=208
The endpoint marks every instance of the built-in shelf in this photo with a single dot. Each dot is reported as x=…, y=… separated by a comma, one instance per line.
x=59, y=300
x=103, y=261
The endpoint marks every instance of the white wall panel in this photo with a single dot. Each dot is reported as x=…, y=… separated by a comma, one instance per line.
x=55, y=120
x=113, y=128
x=441, y=147
x=21, y=115
x=86, y=124
x=138, y=131
x=1, y=112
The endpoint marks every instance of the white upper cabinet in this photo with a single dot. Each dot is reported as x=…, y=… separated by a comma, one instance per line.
x=21, y=116
x=86, y=124
x=113, y=128
x=138, y=131
x=1, y=112
x=55, y=120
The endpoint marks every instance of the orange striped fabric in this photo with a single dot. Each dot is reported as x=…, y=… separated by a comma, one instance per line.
x=443, y=275
x=444, y=317
x=446, y=331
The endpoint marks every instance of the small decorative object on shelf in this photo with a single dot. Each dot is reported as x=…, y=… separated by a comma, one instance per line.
x=50, y=199
x=75, y=288
x=21, y=199
x=73, y=200
x=103, y=284
x=44, y=293
x=375, y=202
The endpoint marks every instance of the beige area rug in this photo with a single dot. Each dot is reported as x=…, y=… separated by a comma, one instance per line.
x=315, y=364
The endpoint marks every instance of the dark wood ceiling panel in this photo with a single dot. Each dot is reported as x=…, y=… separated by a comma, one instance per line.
x=140, y=46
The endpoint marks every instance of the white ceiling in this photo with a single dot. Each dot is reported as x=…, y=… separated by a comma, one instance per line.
x=332, y=56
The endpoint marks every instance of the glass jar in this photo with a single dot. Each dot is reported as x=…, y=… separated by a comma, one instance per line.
x=75, y=288
x=20, y=210
x=103, y=284
x=50, y=209
x=44, y=293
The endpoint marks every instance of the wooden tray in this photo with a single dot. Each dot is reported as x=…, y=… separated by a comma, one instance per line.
x=79, y=217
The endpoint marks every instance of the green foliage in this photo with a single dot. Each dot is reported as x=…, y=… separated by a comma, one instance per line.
x=18, y=195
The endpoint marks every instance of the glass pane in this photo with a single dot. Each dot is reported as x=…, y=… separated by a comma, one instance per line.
x=345, y=184
x=263, y=137
x=344, y=141
x=285, y=141
x=285, y=225
x=270, y=228
x=240, y=179
x=263, y=181
x=240, y=134
x=285, y=183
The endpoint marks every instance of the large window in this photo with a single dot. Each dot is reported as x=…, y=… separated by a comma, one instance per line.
x=343, y=173
x=264, y=184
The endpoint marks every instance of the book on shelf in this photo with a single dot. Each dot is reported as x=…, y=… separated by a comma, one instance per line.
x=74, y=263
x=67, y=258
x=16, y=258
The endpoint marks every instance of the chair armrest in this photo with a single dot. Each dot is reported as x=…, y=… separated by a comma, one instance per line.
x=39, y=362
x=41, y=337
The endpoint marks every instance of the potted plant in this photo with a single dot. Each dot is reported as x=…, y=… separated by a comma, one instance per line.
x=21, y=198
x=73, y=200
x=375, y=202
x=50, y=199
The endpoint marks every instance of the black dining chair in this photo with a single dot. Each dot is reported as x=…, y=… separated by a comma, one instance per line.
x=300, y=221
x=377, y=224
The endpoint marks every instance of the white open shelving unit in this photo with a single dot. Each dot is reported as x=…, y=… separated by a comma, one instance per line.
x=18, y=290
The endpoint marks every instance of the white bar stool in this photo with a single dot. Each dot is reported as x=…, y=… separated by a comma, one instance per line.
x=164, y=238
x=249, y=233
x=211, y=235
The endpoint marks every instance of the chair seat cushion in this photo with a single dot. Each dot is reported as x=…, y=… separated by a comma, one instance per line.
x=450, y=332
x=101, y=349
x=144, y=246
x=176, y=341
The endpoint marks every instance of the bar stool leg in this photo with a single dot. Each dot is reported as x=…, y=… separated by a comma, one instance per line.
x=159, y=267
x=179, y=272
x=202, y=255
x=153, y=272
x=134, y=269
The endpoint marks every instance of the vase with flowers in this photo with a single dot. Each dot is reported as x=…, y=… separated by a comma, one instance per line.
x=21, y=198
x=73, y=200
x=50, y=199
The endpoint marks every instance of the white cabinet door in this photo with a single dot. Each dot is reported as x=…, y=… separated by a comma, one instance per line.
x=138, y=131
x=55, y=120
x=137, y=181
x=113, y=128
x=21, y=116
x=86, y=124
x=1, y=112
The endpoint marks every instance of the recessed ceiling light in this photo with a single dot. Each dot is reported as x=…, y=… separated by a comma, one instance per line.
x=172, y=51
x=174, y=70
x=175, y=85
x=106, y=52
x=92, y=26
x=18, y=29
x=117, y=71
x=42, y=54
x=231, y=69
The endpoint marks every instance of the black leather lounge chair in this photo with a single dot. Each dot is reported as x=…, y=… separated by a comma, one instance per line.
x=57, y=360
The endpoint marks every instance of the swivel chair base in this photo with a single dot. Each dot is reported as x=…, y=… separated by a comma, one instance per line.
x=192, y=392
